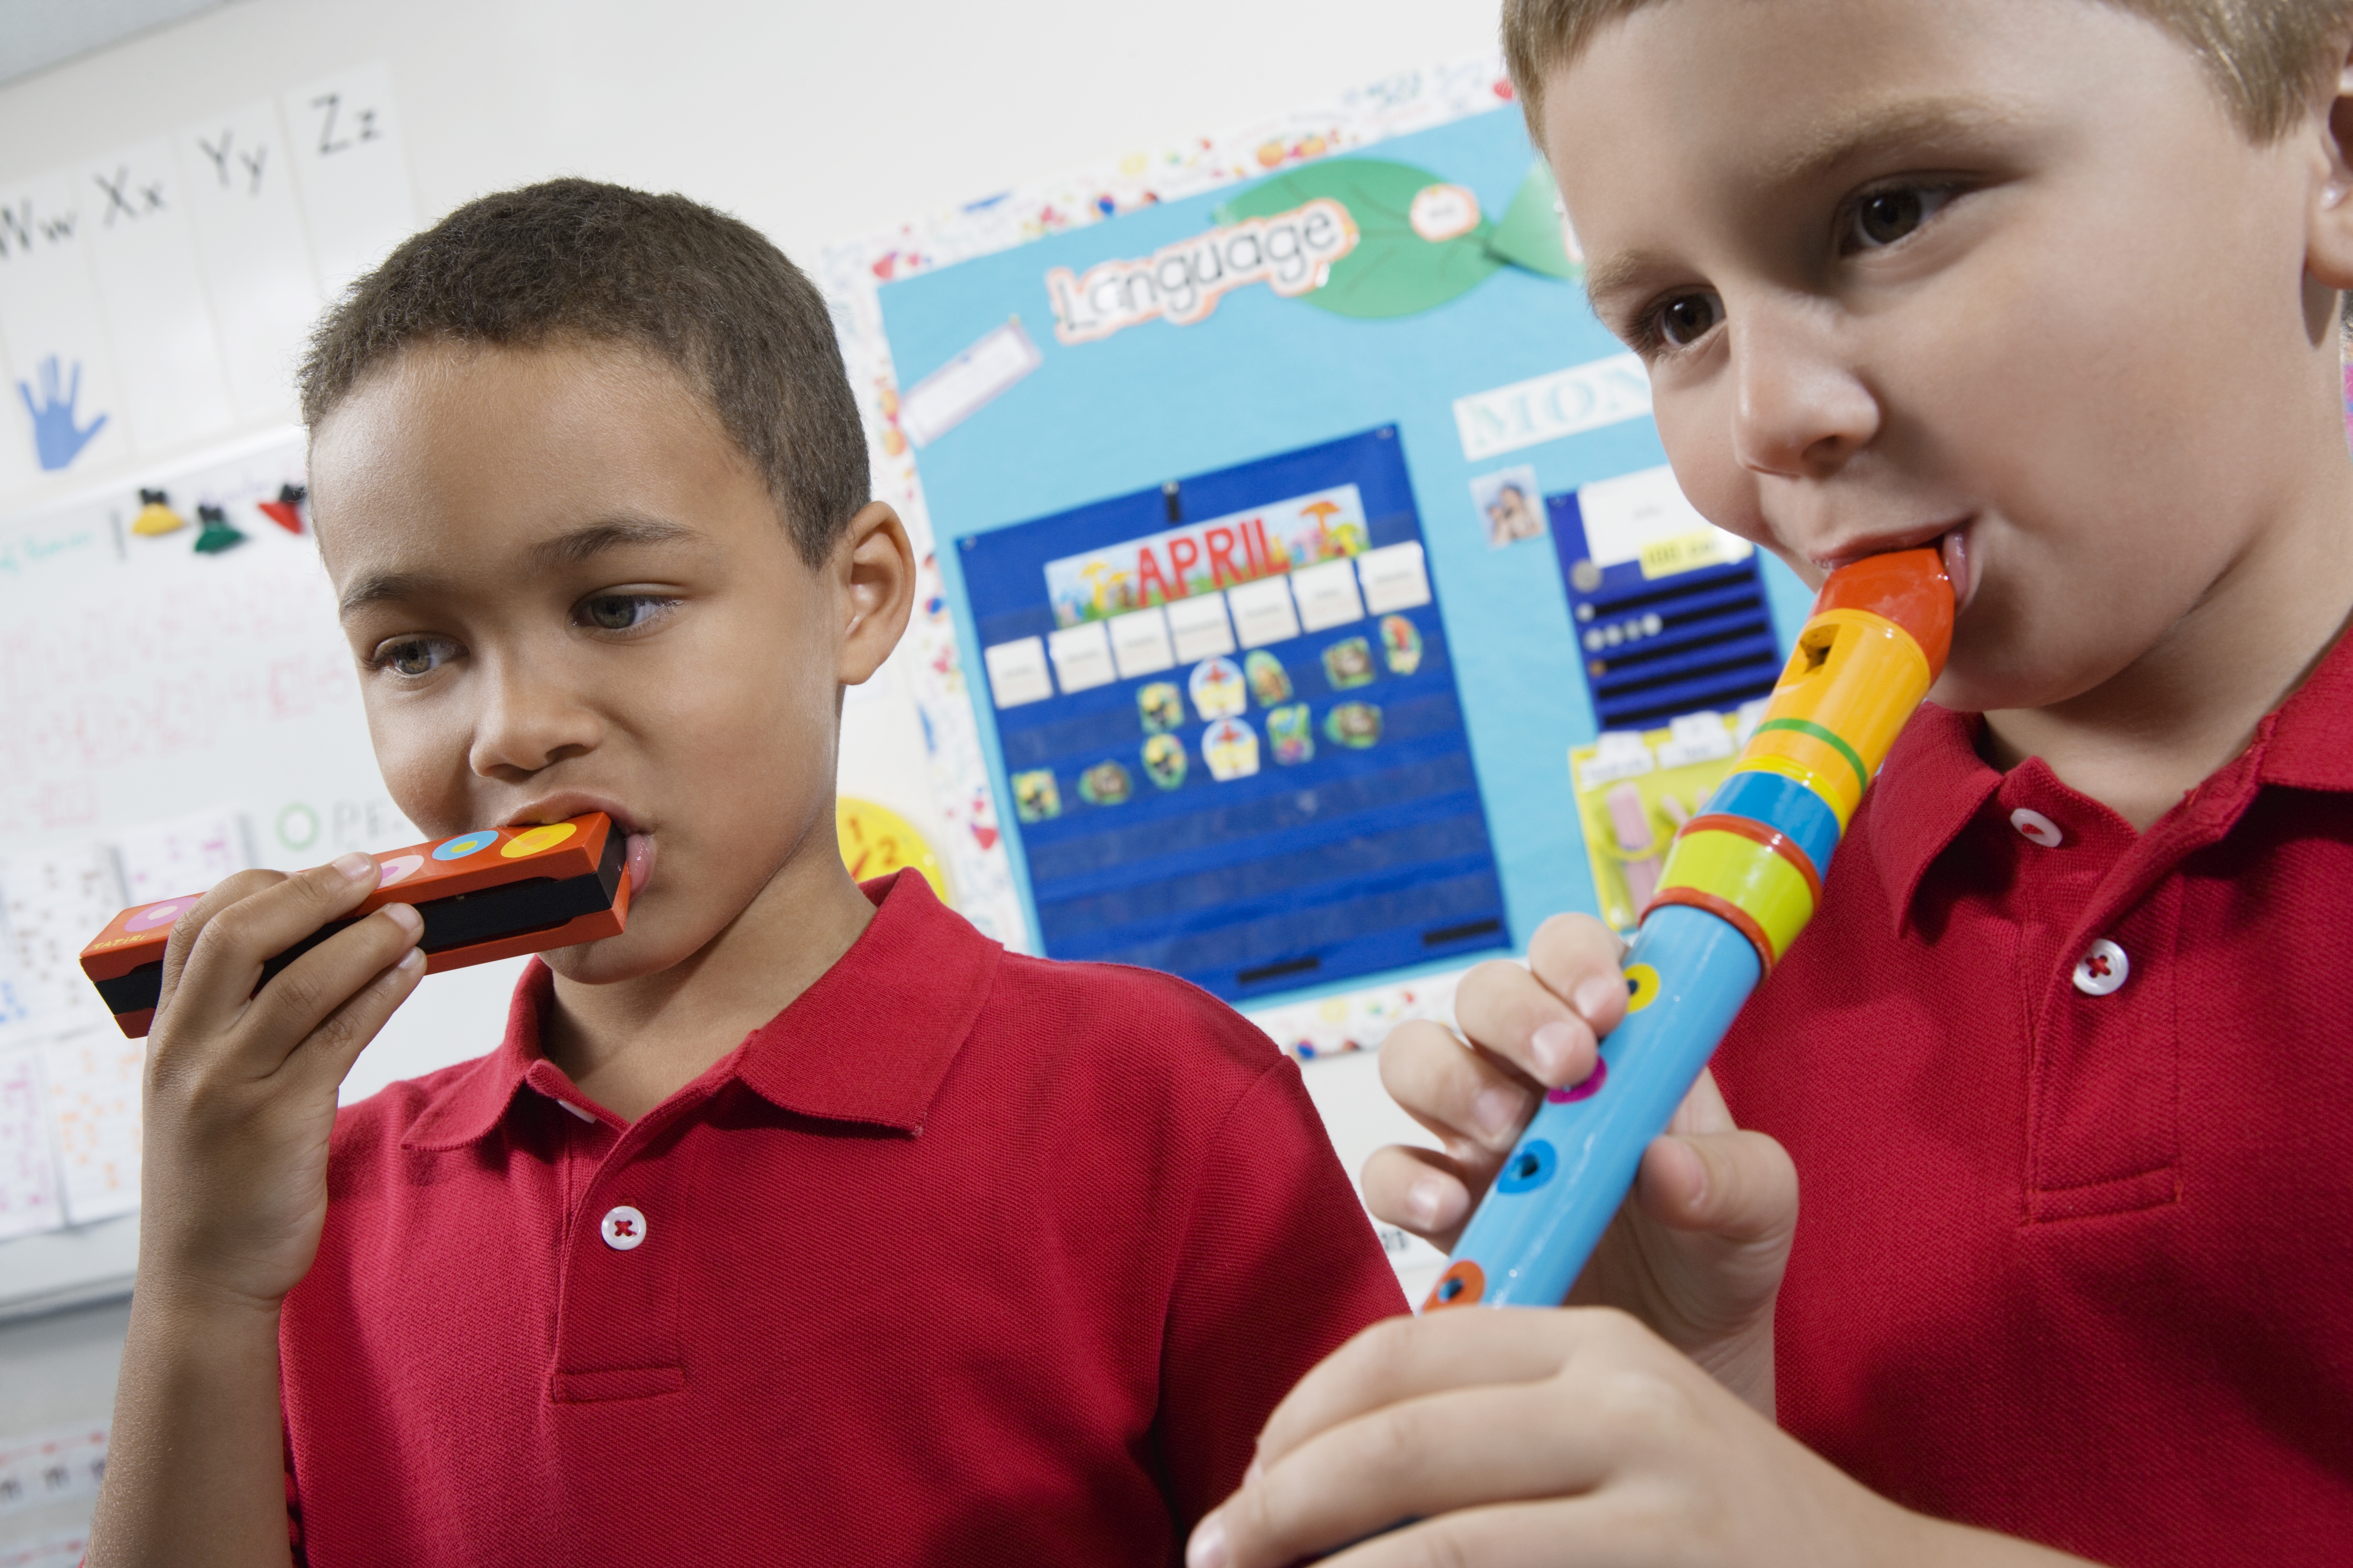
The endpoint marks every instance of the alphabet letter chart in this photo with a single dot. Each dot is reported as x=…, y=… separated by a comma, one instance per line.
x=155, y=297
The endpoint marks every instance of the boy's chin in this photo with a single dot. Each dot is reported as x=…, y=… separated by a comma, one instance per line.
x=1967, y=691
x=631, y=955
x=1996, y=674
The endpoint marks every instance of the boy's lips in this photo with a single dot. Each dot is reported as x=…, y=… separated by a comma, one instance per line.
x=1950, y=539
x=640, y=861
x=1956, y=548
x=638, y=843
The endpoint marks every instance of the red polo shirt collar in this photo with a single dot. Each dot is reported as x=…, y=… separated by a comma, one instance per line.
x=1934, y=782
x=906, y=1037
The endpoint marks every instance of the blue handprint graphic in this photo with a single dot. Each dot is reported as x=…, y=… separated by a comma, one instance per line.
x=54, y=436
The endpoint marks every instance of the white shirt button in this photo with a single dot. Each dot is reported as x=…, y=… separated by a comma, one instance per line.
x=2037, y=829
x=625, y=1227
x=2102, y=969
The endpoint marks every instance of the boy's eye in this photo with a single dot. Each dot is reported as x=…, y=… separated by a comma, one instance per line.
x=1882, y=217
x=414, y=656
x=619, y=612
x=1683, y=322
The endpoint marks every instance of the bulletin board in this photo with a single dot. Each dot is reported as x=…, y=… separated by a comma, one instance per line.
x=1073, y=373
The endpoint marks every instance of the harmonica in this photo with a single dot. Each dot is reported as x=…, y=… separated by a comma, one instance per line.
x=499, y=892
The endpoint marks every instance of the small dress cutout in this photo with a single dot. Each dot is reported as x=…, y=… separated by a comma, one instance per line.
x=286, y=511
x=217, y=534
x=156, y=516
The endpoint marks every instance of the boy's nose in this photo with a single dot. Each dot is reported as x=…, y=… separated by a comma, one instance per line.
x=529, y=723
x=1800, y=409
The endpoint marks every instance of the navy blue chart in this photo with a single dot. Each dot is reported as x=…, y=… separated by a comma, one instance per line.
x=1656, y=648
x=1355, y=843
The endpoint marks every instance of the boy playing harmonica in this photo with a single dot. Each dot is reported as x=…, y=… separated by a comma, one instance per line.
x=798, y=1223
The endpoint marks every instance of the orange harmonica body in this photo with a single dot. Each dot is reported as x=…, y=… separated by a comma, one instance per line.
x=495, y=893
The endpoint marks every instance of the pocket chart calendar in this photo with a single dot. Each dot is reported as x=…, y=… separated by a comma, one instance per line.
x=1232, y=730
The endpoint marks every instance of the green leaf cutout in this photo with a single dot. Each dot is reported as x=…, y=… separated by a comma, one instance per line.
x=1393, y=272
x=1529, y=235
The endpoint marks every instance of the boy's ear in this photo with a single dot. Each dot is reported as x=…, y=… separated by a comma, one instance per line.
x=874, y=576
x=2329, y=249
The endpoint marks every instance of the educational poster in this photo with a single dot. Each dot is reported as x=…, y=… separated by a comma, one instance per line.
x=1232, y=727
x=257, y=273
x=343, y=139
x=155, y=297
x=1670, y=610
x=65, y=406
x=58, y=1549
x=28, y=1186
x=48, y=895
x=1635, y=788
x=91, y=1074
x=143, y=255
x=38, y=1467
x=1394, y=264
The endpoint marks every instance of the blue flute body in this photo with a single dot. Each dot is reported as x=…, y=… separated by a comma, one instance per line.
x=1741, y=881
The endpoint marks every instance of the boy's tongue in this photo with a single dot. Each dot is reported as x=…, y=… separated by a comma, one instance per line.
x=638, y=851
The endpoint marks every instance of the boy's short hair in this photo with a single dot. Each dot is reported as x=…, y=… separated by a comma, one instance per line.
x=2267, y=58
x=574, y=261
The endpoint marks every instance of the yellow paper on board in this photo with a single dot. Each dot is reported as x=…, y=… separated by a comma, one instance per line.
x=877, y=841
x=1669, y=796
x=1684, y=552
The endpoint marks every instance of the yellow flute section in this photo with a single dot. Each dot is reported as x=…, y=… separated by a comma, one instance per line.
x=1852, y=682
x=1752, y=878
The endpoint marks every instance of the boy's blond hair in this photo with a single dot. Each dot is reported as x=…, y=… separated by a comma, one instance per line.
x=2267, y=58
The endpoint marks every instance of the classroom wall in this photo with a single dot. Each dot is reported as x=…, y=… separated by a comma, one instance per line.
x=815, y=122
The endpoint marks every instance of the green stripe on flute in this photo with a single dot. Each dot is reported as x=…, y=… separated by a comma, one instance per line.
x=1808, y=727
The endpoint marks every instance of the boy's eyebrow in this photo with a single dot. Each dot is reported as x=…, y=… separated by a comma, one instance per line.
x=567, y=549
x=615, y=533
x=1847, y=136
x=1613, y=275
x=1828, y=146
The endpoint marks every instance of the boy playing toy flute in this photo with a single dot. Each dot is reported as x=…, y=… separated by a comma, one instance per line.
x=2062, y=1064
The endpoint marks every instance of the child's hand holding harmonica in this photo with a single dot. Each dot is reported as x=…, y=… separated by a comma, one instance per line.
x=238, y=1104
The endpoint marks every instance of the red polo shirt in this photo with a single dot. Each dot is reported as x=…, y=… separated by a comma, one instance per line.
x=2075, y=1261
x=965, y=1257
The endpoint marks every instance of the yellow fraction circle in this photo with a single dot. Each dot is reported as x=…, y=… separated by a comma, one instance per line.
x=877, y=841
x=532, y=840
x=1641, y=986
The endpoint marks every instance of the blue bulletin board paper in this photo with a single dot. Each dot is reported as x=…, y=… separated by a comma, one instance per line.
x=1261, y=375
